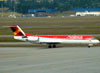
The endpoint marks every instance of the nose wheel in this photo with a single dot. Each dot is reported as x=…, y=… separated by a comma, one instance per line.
x=90, y=45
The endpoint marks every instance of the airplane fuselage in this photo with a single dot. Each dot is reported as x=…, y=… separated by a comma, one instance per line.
x=59, y=39
x=52, y=40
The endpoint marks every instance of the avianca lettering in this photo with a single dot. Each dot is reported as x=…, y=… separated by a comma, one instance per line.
x=75, y=37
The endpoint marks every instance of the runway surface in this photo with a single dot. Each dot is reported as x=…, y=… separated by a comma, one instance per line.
x=44, y=60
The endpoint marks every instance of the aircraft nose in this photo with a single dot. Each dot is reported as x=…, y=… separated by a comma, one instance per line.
x=96, y=41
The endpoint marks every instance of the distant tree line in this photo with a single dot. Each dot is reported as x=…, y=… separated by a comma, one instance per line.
x=22, y=6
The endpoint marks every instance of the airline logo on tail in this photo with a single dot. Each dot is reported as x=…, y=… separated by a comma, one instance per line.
x=17, y=30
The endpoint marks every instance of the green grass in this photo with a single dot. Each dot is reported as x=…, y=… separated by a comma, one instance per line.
x=8, y=39
x=97, y=37
x=74, y=21
x=63, y=30
x=6, y=14
x=54, y=30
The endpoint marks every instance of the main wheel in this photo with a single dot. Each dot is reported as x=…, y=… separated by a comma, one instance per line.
x=49, y=46
x=54, y=45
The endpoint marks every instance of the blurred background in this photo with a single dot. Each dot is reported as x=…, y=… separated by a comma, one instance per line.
x=44, y=8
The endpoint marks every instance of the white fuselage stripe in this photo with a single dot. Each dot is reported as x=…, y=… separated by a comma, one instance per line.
x=55, y=40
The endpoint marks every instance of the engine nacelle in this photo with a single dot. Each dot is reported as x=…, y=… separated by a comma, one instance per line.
x=32, y=38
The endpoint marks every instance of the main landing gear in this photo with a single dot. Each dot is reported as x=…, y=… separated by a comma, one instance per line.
x=52, y=46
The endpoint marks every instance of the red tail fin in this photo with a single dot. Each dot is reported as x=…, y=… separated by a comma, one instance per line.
x=17, y=30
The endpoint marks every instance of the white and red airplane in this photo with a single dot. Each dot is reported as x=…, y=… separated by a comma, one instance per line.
x=52, y=40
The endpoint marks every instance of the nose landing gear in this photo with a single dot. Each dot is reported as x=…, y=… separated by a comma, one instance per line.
x=90, y=45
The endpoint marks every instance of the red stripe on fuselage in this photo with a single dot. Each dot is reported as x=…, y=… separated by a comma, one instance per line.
x=68, y=37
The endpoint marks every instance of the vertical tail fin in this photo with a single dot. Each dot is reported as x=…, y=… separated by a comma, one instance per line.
x=17, y=30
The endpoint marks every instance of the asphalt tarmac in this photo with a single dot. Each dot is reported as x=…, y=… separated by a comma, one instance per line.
x=45, y=60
